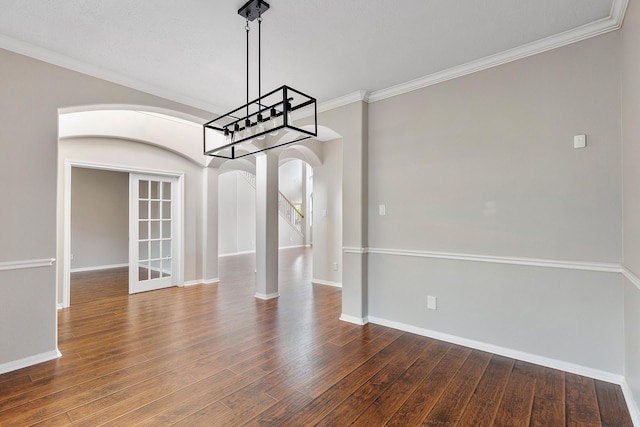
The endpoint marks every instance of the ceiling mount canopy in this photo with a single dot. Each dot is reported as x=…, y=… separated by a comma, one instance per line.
x=255, y=126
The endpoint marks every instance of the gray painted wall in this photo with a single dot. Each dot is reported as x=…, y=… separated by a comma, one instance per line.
x=237, y=217
x=99, y=218
x=31, y=92
x=485, y=165
x=228, y=213
x=631, y=190
x=327, y=215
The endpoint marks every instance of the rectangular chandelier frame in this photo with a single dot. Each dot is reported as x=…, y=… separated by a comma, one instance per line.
x=264, y=117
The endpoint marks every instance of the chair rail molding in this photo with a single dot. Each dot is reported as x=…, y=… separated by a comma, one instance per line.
x=29, y=263
x=534, y=262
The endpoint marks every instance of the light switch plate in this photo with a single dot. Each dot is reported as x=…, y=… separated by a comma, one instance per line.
x=579, y=141
x=431, y=303
x=382, y=210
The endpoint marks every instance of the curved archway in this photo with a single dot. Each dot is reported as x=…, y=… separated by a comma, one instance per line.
x=138, y=139
x=178, y=135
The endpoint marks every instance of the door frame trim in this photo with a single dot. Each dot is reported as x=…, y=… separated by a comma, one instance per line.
x=66, y=238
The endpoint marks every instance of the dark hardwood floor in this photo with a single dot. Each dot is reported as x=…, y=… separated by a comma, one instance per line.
x=211, y=355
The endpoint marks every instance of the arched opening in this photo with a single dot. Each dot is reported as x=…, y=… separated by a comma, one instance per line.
x=112, y=143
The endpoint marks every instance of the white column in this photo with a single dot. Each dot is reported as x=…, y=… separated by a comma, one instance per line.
x=355, y=219
x=305, y=205
x=266, y=226
x=210, y=225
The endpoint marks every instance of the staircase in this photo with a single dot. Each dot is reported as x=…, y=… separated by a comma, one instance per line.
x=286, y=208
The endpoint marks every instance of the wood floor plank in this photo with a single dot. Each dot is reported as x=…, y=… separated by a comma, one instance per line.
x=215, y=355
x=351, y=408
x=129, y=399
x=281, y=411
x=354, y=354
x=448, y=410
x=612, y=405
x=517, y=400
x=582, y=403
x=483, y=405
x=383, y=408
x=547, y=412
x=332, y=397
x=425, y=396
x=187, y=401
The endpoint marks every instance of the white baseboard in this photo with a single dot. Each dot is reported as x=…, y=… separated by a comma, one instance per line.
x=355, y=320
x=267, y=296
x=98, y=267
x=634, y=411
x=59, y=306
x=236, y=253
x=29, y=361
x=503, y=351
x=201, y=282
x=326, y=283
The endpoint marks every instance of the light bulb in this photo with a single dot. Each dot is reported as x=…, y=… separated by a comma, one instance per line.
x=246, y=133
x=289, y=115
x=236, y=133
x=260, y=128
x=273, y=122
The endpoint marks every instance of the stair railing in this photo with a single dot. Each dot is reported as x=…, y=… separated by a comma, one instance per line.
x=285, y=207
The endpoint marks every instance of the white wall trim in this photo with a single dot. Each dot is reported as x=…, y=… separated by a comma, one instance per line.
x=535, y=262
x=267, y=297
x=237, y=253
x=29, y=361
x=355, y=320
x=99, y=267
x=631, y=276
x=602, y=26
x=27, y=263
x=326, y=283
x=634, y=411
x=358, y=96
x=201, y=282
x=503, y=351
x=350, y=250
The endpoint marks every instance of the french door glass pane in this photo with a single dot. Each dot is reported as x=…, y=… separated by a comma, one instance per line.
x=143, y=207
x=144, y=189
x=155, y=190
x=155, y=210
x=166, y=229
x=166, y=190
x=143, y=271
x=154, y=230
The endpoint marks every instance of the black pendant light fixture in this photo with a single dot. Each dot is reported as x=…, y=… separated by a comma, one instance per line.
x=265, y=122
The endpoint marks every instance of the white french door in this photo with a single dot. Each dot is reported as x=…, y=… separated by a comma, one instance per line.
x=154, y=224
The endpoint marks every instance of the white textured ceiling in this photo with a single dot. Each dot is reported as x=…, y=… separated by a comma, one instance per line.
x=193, y=51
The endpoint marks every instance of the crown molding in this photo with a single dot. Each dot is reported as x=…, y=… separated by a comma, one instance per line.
x=72, y=64
x=357, y=96
x=596, y=28
x=602, y=26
